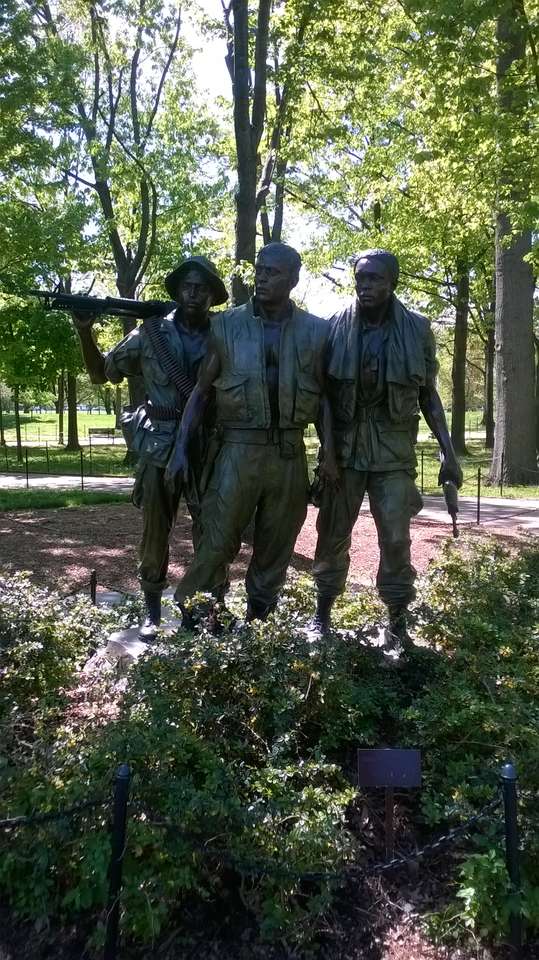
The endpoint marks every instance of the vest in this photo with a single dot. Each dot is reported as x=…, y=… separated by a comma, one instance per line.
x=409, y=344
x=241, y=390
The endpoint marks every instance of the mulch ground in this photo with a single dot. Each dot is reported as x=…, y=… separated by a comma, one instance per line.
x=59, y=548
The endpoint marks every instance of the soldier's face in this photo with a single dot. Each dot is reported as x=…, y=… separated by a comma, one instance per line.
x=195, y=295
x=374, y=285
x=274, y=278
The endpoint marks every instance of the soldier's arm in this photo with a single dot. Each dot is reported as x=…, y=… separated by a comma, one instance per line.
x=94, y=359
x=328, y=465
x=193, y=414
x=431, y=408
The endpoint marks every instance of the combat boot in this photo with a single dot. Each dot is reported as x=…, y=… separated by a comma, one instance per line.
x=320, y=624
x=149, y=628
x=259, y=611
x=396, y=633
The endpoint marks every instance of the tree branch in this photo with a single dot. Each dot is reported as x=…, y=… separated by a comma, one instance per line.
x=164, y=73
x=261, y=56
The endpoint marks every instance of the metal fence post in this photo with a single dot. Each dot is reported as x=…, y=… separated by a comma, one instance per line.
x=81, y=470
x=90, y=447
x=93, y=587
x=7, y=461
x=479, y=495
x=119, y=824
x=502, y=467
x=422, y=472
x=47, y=456
x=26, y=466
x=510, y=807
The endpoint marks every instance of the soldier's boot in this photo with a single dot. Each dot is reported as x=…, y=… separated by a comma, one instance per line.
x=190, y=620
x=321, y=622
x=151, y=623
x=259, y=611
x=396, y=633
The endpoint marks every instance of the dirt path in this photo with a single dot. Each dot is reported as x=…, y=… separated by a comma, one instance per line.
x=60, y=547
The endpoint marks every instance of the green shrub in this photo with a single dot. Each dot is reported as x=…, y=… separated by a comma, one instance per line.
x=242, y=748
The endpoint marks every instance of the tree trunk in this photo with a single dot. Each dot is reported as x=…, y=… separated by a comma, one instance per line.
x=514, y=444
x=135, y=385
x=537, y=393
x=458, y=374
x=248, y=128
x=72, y=425
x=17, y=410
x=488, y=417
x=61, y=400
x=2, y=435
x=118, y=406
x=245, y=198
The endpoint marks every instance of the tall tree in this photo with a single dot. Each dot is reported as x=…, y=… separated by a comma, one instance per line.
x=514, y=456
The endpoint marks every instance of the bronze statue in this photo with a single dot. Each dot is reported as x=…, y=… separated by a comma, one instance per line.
x=167, y=352
x=381, y=373
x=265, y=360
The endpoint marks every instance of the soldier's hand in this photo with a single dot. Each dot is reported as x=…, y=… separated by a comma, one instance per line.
x=176, y=469
x=329, y=471
x=450, y=471
x=84, y=319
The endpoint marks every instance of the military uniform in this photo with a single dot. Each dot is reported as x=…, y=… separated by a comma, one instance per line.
x=374, y=377
x=153, y=437
x=268, y=390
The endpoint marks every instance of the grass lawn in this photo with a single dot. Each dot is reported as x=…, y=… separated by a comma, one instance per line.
x=36, y=427
x=479, y=456
x=52, y=499
x=97, y=460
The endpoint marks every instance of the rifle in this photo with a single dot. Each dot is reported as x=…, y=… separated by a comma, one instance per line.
x=452, y=503
x=112, y=306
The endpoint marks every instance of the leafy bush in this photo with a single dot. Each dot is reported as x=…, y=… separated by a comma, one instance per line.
x=242, y=748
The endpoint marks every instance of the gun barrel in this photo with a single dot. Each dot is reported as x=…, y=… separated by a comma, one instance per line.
x=113, y=306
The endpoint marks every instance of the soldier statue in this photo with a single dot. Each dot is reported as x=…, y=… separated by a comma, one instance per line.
x=157, y=350
x=265, y=360
x=381, y=372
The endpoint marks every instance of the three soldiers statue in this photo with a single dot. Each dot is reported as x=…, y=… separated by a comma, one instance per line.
x=261, y=373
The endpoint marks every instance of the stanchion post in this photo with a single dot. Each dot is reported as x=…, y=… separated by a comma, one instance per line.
x=479, y=495
x=47, y=456
x=502, y=468
x=81, y=469
x=510, y=808
x=119, y=824
x=93, y=587
x=90, y=448
x=26, y=467
x=422, y=472
x=6, y=456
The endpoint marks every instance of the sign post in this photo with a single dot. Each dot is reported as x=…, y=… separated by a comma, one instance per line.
x=389, y=768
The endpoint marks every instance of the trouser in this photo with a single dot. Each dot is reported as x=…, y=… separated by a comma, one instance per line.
x=250, y=479
x=394, y=500
x=159, y=508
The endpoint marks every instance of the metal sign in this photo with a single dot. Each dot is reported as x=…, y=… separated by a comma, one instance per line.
x=389, y=768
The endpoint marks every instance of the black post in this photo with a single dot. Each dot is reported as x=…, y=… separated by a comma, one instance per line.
x=422, y=472
x=91, y=462
x=26, y=465
x=510, y=807
x=7, y=461
x=119, y=824
x=81, y=470
x=502, y=467
x=93, y=587
x=47, y=455
x=479, y=495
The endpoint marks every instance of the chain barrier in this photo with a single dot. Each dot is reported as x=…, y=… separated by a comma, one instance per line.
x=259, y=867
